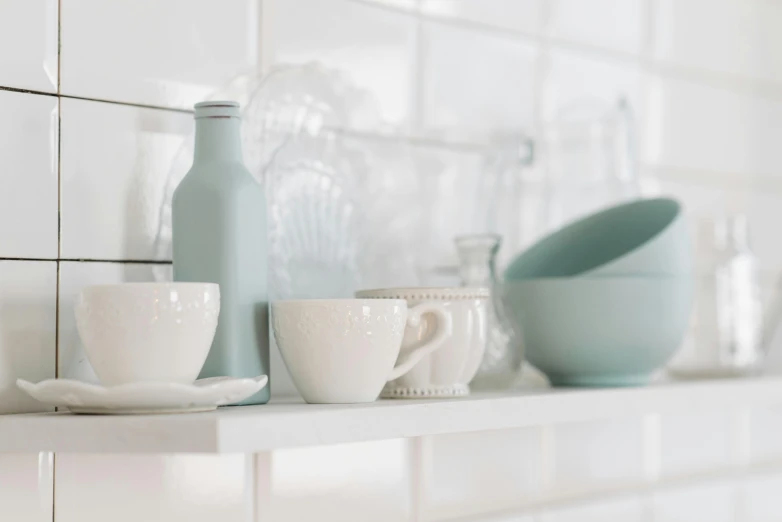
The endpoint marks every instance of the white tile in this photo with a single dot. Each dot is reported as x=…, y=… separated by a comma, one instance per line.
x=713, y=501
x=171, y=54
x=695, y=442
x=766, y=445
x=28, y=44
x=115, y=163
x=26, y=494
x=487, y=90
x=374, y=48
x=518, y=15
x=738, y=37
x=613, y=24
x=74, y=276
x=483, y=471
x=152, y=488
x=703, y=128
x=28, y=184
x=594, y=455
x=27, y=330
x=344, y=482
x=411, y=5
x=578, y=82
x=624, y=509
x=760, y=498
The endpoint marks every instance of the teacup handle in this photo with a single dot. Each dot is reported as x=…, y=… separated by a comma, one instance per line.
x=444, y=327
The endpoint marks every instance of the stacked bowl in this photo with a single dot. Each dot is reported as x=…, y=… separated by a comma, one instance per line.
x=606, y=300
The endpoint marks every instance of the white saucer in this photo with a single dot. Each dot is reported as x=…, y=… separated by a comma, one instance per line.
x=143, y=397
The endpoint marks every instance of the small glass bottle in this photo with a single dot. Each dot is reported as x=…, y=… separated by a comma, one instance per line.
x=727, y=325
x=504, y=355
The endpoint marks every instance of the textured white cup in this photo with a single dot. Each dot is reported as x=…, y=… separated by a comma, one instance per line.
x=448, y=371
x=344, y=350
x=147, y=332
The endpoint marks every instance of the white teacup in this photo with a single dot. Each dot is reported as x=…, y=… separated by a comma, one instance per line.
x=341, y=351
x=147, y=332
x=447, y=372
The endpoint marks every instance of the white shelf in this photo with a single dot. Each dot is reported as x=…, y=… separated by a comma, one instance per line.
x=283, y=424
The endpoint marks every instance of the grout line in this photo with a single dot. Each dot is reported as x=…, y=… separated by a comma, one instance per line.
x=127, y=104
x=57, y=323
x=84, y=260
x=29, y=91
x=99, y=100
x=59, y=243
x=120, y=261
x=59, y=43
x=54, y=487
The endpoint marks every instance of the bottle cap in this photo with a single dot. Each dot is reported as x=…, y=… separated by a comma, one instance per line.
x=217, y=109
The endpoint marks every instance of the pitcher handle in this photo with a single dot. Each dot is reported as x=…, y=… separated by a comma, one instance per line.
x=443, y=332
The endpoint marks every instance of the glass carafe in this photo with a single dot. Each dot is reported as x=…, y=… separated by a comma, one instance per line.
x=504, y=355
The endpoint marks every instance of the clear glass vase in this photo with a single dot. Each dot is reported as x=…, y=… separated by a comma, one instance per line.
x=504, y=355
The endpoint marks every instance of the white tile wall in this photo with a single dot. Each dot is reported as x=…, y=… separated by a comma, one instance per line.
x=603, y=454
x=376, y=47
x=28, y=190
x=624, y=509
x=27, y=329
x=345, y=482
x=473, y=472
x=695, y=442
x=488, y=90
x=611, y=24
x=28, y=44
x=580, y=81
x=517, y=15
x=26, y=487
x=715, y=501
x=731, y=37
x=152, y=488
x=169, y=54
x=82, y=177
x=115, y=162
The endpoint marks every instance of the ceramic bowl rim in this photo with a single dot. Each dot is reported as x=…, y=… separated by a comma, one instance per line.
x=568, y=229
x=151, y=285
x=424, y=292
x=340, y=300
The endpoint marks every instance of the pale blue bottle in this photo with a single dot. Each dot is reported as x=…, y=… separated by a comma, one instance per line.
x=219, y=236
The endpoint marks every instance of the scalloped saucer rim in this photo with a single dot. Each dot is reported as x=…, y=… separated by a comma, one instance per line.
x=143, y=397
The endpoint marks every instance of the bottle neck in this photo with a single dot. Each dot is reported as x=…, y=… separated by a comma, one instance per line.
x=218, y=139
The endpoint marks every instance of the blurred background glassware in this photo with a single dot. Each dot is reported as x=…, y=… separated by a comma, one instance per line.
x=589, y=156
x=479, y=190
x=726, y=336
x=315, y=218
x=504, y=354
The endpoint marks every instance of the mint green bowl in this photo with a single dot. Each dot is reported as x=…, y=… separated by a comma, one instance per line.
x=601, y=331
x=644, y=237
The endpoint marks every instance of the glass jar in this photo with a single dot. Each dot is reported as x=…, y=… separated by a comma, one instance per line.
x=726, y=335
x=504, y=356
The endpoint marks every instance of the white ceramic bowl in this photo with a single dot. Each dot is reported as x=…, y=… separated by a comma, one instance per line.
x=600, y=331
x=147, y=332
